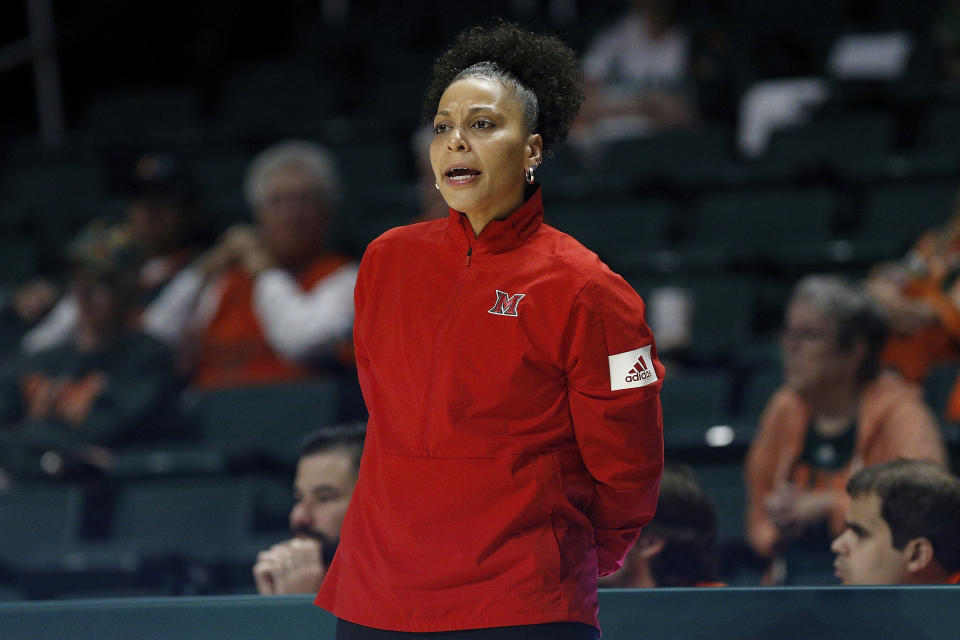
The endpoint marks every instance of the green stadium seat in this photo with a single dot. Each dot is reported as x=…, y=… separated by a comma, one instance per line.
x=694, y=400
x=760, y=222
x=614, y=227
x=221, y=174
x=760, y=386
x=141, y=118
x=39, y=518
x=19, y=259
x=267, y=420
x=901, y=212
x=55, y=199
x=195, y=517
x=940, y=130
x=167, y=460
x=724, y=486
x=724, y=309
x=277, y=98
x=272, y=498
x=680, y=158
x=833, y=144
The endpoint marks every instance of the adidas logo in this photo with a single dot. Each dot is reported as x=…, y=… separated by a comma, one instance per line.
x=638, y=372
x=632, y=369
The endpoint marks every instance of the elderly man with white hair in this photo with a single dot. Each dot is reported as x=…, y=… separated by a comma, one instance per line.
x=271, y=300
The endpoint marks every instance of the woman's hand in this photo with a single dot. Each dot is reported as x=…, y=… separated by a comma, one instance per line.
x=793, y=510
x=246, y=244
x=239, y=244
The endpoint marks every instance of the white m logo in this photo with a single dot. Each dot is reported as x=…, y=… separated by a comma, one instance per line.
x=506, y=304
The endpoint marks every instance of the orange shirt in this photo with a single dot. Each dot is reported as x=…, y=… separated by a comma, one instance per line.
x=893, y=421
x=933, y=278
x=233, y=350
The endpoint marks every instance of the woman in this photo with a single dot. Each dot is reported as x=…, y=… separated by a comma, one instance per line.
x=515, y=442
x=836, y=414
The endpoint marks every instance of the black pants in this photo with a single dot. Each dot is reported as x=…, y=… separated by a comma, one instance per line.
x=547, y=631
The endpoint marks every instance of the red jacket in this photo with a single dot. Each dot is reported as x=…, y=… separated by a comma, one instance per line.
x=515, y=440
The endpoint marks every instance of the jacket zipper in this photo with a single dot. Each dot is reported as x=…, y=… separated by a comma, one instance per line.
x=441, y=335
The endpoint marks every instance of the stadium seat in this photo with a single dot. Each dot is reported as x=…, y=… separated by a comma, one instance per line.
x=19, y=259
x=940, y=129
x=760, y=386
x=277, y=98
x=141, y=119
x=724, y=309
x=759, y=222
x=725, y=487
x=694, y=400
x=196, y=517
x=899, y=213
x=39, y=516
x=832, y=144
x=267, y=420
x=615, y=228
x=162, y=460
x=55, y=199
x=272, y=498
x=679, y=158
x=221, y=174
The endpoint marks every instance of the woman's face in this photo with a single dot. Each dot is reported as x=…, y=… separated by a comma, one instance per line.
x=813, y=363
x=481, y=148
x=292, y=217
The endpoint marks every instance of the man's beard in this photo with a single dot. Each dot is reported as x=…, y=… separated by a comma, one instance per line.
x=328, y=546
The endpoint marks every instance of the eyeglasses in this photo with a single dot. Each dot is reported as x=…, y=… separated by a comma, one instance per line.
x=294, y=197
x=805, y=335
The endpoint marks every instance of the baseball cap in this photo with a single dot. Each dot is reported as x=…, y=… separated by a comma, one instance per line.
x=162, y=176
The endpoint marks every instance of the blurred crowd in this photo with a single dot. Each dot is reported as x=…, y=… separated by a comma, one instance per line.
x=157, y=306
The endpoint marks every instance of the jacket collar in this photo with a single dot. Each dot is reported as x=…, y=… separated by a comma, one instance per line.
x=499, y=236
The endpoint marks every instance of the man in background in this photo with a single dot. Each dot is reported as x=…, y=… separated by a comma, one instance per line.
x=678, y=547
x=325, y=479
x=903, y=526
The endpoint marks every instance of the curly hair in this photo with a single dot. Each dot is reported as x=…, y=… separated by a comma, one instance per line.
x=542, y=71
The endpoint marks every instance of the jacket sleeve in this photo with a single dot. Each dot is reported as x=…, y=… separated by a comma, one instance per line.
x=617, y=423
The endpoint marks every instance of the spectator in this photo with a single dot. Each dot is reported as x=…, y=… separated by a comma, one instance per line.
x=162, y=219
x=678, y=547
x=110, y=384
x=902, y=527
x=835, y=414
x=637, y=76
x=921, y=297
x=326, y=475
x=271, y=302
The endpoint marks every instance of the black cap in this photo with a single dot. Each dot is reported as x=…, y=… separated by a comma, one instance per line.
x=162, y=176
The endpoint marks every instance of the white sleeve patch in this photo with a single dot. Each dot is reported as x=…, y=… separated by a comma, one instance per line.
x=631, y=369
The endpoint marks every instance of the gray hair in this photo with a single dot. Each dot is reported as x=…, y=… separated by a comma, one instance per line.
x=857, y=316
x=490, y=71
x=309, y=157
